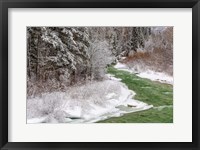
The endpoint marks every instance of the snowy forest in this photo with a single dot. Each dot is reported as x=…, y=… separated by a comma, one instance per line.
x=99, y=74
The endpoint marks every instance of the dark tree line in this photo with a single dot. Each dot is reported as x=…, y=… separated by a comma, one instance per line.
x=73, y=54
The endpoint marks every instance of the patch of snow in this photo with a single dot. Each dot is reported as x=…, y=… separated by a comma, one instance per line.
x=149, y=74
x=120, y=66
x=36, y=120
x=123, y=67
x=156, y=76
x=110, y=95
x=74, y=112
x=162, y=107
x=104, y=99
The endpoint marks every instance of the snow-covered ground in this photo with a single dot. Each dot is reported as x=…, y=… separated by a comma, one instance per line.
x=123, y=67
x=85, y=104
x=149, y=74
x=156, y=76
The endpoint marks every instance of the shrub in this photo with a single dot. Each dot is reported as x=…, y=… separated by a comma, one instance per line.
x=156, y=55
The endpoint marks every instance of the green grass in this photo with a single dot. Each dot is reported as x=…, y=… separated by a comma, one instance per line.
x=150, y=92
x=146, y=116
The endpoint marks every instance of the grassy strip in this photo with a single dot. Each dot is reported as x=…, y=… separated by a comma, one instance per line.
x=146, y=116
x=150, y=92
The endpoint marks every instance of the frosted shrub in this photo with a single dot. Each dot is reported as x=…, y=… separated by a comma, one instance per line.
x=33, y=108
x=36, y=88
x=44, y=105
x=157, y=53
x=50, y=102
x=76, y=101
x=92, y=92
x=57, y=116
x=100, y=56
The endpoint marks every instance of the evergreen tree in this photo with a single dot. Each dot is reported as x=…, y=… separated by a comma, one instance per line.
x=69, y=54
x=57, y=50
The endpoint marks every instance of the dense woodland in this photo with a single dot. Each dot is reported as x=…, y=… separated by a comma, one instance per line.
x=58, y=57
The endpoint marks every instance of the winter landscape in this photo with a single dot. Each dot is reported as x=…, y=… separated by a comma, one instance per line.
x=100, y=74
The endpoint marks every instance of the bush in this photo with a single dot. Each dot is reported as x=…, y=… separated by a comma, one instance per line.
x=156, y=55
x=46, y=104
x=74, y=102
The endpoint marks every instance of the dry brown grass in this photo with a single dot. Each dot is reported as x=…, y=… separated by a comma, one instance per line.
x=136, y=56
x=157, y=54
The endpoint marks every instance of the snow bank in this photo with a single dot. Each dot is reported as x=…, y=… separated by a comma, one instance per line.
x=88, y=103
x=37, y=120
x=123, y=67
x=149, y=74
x=156, y=76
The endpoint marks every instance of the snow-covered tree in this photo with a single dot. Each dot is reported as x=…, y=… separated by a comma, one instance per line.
x=99, y=57
x=135, y=38
x=57, y=51
x=33, y=52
